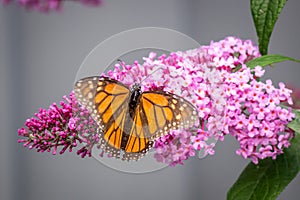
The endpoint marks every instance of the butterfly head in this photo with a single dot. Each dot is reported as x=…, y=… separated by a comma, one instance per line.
x=136, y=87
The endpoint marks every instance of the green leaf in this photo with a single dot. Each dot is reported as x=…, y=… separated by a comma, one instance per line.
x=269, y=60
x=295, y=124
x=267, y=180
x=265, y=14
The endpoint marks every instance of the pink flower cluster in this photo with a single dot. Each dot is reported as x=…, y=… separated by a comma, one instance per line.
x=254, y=115
x=215, y=79
x=48, y=5
x=62, y=126
x=227, y=95
x=178, y=146
x=253, y=112
x=167, y=150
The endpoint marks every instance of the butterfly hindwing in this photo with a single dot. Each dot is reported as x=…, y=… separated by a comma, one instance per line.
x=136, y=137
x=137, y=142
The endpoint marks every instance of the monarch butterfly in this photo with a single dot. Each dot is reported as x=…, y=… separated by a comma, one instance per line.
x=130, y=120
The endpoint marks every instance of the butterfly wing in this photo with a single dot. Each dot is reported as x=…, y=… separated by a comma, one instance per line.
x=138, y=144
x=164, y=111
x=107, y=101
x=157, y=113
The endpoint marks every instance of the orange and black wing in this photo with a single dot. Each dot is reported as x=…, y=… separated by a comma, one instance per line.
x=138, y=144
x=163, y=111
x=157, y=113
x=107, y=101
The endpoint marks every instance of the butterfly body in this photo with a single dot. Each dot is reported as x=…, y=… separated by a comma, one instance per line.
x=130, y=120
x=134, y=99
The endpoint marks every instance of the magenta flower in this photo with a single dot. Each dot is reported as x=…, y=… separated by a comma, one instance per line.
x=63, y=125
x=5, y=2
x=258, y=121
x=174, y=148
x=48, y=5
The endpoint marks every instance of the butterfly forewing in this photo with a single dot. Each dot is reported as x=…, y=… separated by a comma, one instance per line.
x=104, y=98
x=163, y=111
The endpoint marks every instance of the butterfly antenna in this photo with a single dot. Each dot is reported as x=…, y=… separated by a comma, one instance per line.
x=150, y=74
